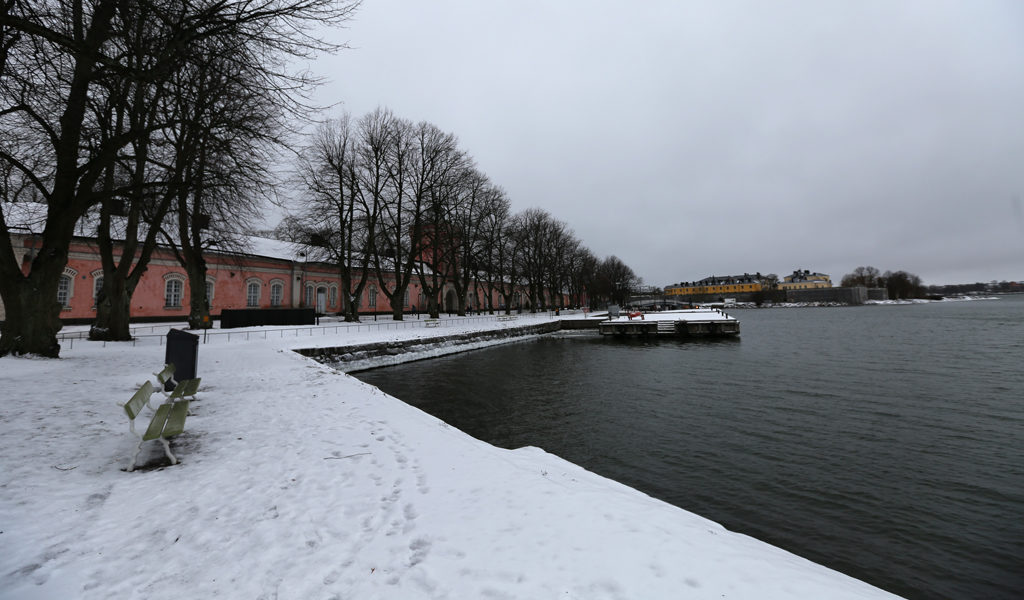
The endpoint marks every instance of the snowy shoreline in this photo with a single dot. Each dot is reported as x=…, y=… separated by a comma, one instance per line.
x=299, y=481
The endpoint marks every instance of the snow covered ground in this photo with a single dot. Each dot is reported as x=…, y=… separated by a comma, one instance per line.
x=298, y=481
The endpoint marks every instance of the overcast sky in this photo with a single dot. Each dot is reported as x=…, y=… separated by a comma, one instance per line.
x=711, y=138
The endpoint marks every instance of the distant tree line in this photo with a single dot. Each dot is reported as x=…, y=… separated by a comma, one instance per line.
x=391, y=201
x=1000, y=287
x=900, y=285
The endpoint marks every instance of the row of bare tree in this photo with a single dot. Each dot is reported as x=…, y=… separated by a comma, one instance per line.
x=388, y=200
x=154, y=118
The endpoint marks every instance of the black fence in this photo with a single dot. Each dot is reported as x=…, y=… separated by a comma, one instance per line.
x=249, y=317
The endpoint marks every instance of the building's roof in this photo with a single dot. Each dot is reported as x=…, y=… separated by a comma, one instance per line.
x=722, y=280
x=30, y=218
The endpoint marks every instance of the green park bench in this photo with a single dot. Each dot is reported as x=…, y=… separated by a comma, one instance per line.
x=169, y=418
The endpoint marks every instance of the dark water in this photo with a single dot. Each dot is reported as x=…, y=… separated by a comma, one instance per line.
x=886, y=442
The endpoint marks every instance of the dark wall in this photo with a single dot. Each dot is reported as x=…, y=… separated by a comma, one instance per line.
x=249, y=317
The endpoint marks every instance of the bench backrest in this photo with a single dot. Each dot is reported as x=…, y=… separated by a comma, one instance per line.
x=190, y=387
x=185, y=388
x=164, y=376
x=139, y=399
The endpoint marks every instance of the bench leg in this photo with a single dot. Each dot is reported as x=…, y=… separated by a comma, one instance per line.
x=167, y=451
x=135, y=457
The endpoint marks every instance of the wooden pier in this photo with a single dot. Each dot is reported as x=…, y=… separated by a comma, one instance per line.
x=682, y=323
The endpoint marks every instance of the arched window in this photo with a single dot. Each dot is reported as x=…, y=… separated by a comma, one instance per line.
x=97, y=287
x=210, y=287
x=173, y=289
x=97, y=290
x=333, y=299
x=373, y=297
x=276, y=293
x=252, y=293
x=405, y=299
x=310, y=290
x=66, y=287
x=64, y=290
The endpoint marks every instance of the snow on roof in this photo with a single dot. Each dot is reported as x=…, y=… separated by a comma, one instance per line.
x=30, y=217
x=261, y=246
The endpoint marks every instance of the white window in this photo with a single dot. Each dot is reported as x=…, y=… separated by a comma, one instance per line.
x=309, y=296
x=276, y=294
x=172, y=293
x=97, y=288
x=333, y=297
x=64, y=290
x=252, y=294
x=373, y=297
x=209, y=291
x=405, y=299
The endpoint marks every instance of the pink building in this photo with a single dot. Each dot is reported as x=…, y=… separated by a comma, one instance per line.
x=272, y=275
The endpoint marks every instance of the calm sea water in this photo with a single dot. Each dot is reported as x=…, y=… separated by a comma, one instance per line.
x=886, y=442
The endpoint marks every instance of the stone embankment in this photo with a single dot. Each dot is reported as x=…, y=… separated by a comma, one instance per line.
x=379, y=354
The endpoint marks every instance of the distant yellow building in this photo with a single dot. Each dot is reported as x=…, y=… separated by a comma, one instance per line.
x=805, y=280
x=732, y=284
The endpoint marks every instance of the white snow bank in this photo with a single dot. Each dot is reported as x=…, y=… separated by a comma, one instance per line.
x=298, y=481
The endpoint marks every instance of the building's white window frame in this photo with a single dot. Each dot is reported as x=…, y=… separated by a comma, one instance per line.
x=276, y=293
x=310, y=295
x=253, y=300
x=174, y=280
x=371, y=295
x=211, y=290
x=97, y=285
x=332, y=296
x=66, y=288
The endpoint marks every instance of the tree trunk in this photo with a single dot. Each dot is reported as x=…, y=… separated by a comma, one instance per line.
x=199, y=310
x=351, y=308
x=31, y=326
x=113, y=313
x=396, y=304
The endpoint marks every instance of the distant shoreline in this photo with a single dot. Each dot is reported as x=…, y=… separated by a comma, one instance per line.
x=746, y=305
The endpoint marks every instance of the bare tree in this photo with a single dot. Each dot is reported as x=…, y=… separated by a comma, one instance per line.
x=902, y=285
x=339, y=215
x=471, y=218
x=391, y=142
x=582, y=274
x=614, y=281
x=233, y=118
x=862, y=276
x=493, y=225
x=550, y=242
x=508, y=260
x=439, y=169
x=136, y=196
